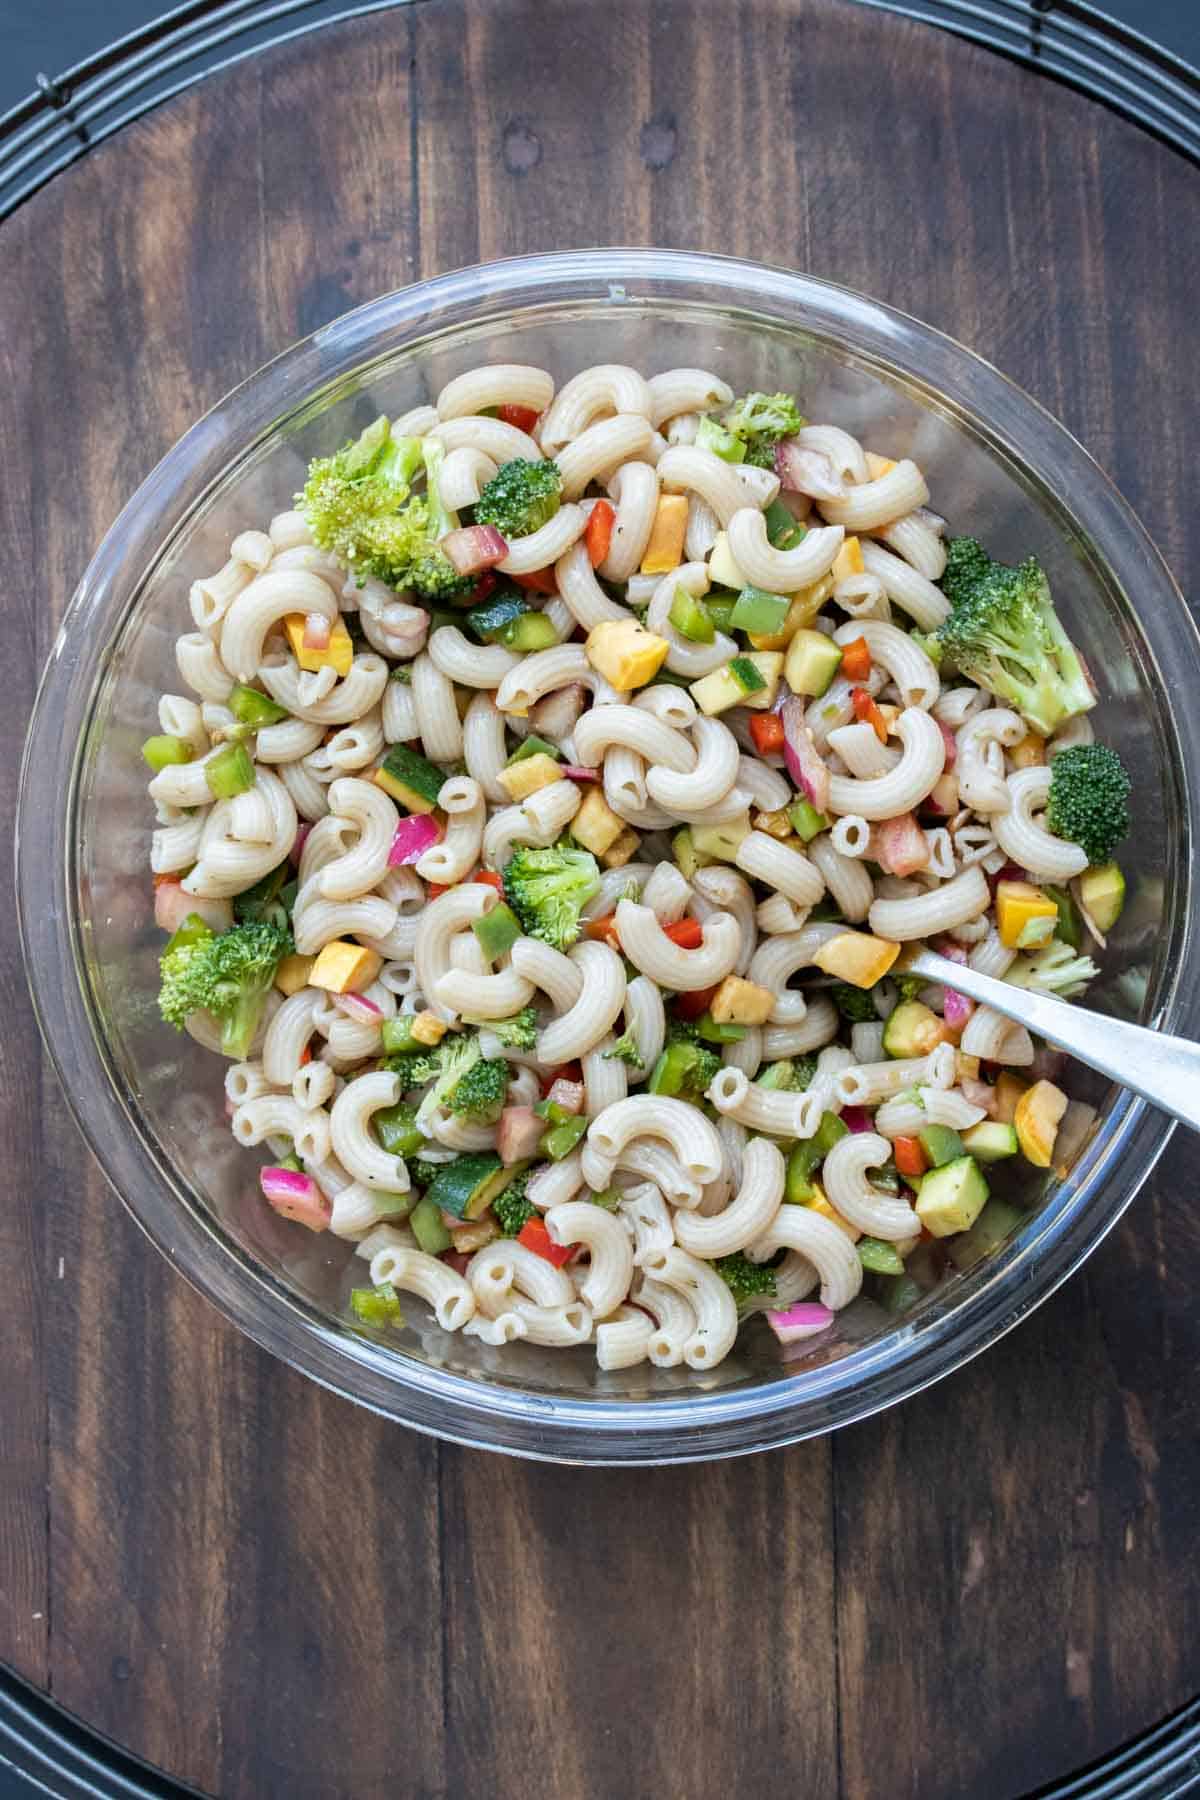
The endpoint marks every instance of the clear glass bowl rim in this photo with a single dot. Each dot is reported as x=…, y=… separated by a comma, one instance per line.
x=688, y=1427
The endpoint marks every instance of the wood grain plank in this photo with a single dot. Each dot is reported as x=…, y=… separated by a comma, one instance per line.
x=268, y=1592
x=660, y=1631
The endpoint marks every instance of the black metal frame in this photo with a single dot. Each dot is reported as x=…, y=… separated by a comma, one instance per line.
x=61, y=120
x=68, y=113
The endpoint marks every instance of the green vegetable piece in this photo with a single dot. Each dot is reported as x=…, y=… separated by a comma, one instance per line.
x=690, y=617
x=534, y=746
x=561, y=1139
x=762, y=420
x=411, y=779
x=497, y=931
x=1102, y=891
x=719, y=1031
x=746, y=675
x=610, y=1199
x=229, y=772
x=548, y=890
x=759, y=612
x=252, y=708
x=940, y=1144
x=806, y=821
x=428, y=1226
x=396, y=1129
x=520, y=1031
x=520, y=498
x=952, y=1196
x=783, y=531
x=1070, y=925
x=712, y=435
x=270, y=899
x=991, y=1141
x=777, y=1076
x=377, y=1305
x=532, y=631
x=881, y=1257
x=164, y=751
x=994, y=1226
x=744, y=1279
x=719, y=608
x=511, y=1208
x=398, y=1039
x=467, y=1186
x=228, y=974
x=1088, y=801
x=855, y=1004
x=495, y=613
x=799, y=1187
x=901, y=1294
x=1004, y=634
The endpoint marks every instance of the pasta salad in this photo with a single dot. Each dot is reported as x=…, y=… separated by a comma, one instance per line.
x=559, y=784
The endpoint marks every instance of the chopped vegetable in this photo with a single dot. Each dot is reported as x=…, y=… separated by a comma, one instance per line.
x=761, y=420
x=534, y=1235
x=664, y=549
x=512, y=1208
x=295, y=1196
x=548, y=889
x=1004, y=634
x=625, y=653
x=414, y=836
x=343, y=968
x=766, y=730
x=227, y=974
x=1036, y=1120
x=597, y=537
x=1089, y=799
x=691, y=618
x=744, y=1279
x=856, y=659
x=377, y=1305
x=520, y=498
x=164, y=751
x=229, y=772
x=807, y=1318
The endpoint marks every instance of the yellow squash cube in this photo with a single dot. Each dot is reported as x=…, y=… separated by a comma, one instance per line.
x=621, y=850
x=741, y=1002
x=1030, y=752
x=427, y=1028
x=722, y=570
x=1024, y=915
x=664, y=550
x=848, y=561
x=625, y=653
x=856, y=957
x=520, y=779
x=596, y=826
x=775, y=824
x=827, y=1211
x=1008, y=1091
x=344, y=968
x=803, y=610
x=878, y=466
x=338, y=656
x=294, y=973
x=1037, y=1117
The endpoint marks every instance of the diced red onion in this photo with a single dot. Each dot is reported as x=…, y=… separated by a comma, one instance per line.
x=296, y=1196
x=456, y=1260
x=414, y=836
x=567, y=1094
x=574, y=772
x=956, y=1008
x=473, y=548
x=358, y=1008
x=518, y=1134
x=901, y=846
x=951, y=743
x=317, y=629
x=807, y=1318
x=556, y=716
x=805, y=471
x=804, y=762
x=172, y=905
x=979, y=1093
x=857, y=1119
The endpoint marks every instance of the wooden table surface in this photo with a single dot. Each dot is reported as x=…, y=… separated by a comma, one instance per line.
x=270, y=1593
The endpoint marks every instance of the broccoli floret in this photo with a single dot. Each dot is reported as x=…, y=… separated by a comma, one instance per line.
x=626, y=1050
x=1003, y=633
x=520, y=1032
x=511, y=1209
x=479, y=1094
x=359, y=505
x=548, y=889
x=520, y=498
x=1054, y=969
x=760, y=420
x=744, y=1279
x=930, y=643
x=855, y=1004
x=704, y=1064
x=804, y=1069
x=1089, y=799
x=910, y=987
x=452, y=1068
x=422, y=1173
x=227, y=974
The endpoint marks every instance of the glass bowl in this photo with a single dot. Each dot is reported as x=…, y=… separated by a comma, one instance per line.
x=149, y=1102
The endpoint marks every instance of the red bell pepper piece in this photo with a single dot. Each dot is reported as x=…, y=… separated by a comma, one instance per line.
x=523, y=417
x=541, y=581
x=598, y=535
x=856, y=659
x=909, y=1157
x=866, y=710
x=686, y=933
x=692, y=1006
x=767, y=731
x=535, y=1237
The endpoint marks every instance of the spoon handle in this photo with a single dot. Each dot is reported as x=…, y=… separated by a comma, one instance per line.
x=1164, y=1070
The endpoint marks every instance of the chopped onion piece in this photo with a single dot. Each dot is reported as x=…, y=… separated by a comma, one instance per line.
x=296, y=1196
x=317, y=629
x=805, y=1319
x=414, y=836
x=473, y=548
x=358, y=1008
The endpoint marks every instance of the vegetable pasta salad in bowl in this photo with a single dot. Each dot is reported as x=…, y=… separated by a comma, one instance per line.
x=566, y=691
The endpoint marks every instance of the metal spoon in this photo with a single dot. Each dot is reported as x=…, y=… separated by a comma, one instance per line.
x=1164, y=1070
